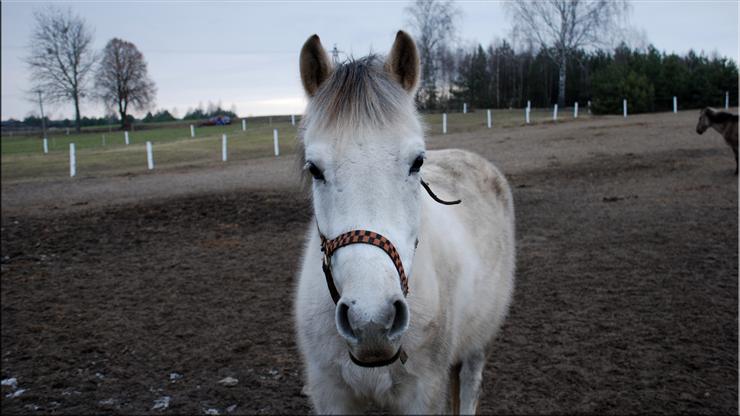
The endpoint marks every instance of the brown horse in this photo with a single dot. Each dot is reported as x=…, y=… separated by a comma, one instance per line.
x=725, y=123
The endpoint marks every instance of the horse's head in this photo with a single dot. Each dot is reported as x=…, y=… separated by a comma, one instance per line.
x=363, y=147
x=704, y=121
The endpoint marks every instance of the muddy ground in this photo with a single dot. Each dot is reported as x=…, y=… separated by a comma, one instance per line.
x=626, y=297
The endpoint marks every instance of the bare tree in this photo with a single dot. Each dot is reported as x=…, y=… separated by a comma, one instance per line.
x=122, y=79
x=61, y=57
x=562, y=26
x=447, y=67
x=433, y=22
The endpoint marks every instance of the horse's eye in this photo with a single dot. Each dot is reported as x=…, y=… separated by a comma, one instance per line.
x=416, y=165
x=315, y=171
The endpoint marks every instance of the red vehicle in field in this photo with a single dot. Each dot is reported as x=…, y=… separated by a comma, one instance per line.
x=217, y=121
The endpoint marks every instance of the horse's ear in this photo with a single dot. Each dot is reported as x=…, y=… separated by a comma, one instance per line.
x=403, y=62
x=315, y=65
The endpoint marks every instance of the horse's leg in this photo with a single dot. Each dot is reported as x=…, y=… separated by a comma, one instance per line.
x=471, y=375
x=455, y=389
x=425, y=396
x=729, y=133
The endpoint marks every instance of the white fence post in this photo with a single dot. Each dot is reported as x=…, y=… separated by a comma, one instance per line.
x=589, y=106
x=149, y=156
x=292, y=119
x=529, y=105
x=192, y=131
x=67, y=131
x=727, y=100
x=72, y=161
x=575, y=110
x=675, y=104
x=275, y=140
x=224, y=143
x=125, y=136
x=465, y=108
x=46, y=145
x=444, y=123
x=244, y=124
x=555, y=113
x=526, y=115
x=489, y=118
x=624, y=107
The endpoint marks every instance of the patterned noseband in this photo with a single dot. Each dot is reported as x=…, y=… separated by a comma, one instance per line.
x=328, y=247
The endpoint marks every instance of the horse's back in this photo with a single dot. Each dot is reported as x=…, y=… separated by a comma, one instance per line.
x=460, y=173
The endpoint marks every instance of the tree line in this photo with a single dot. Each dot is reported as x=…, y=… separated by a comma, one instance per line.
x=499, y=77
x=158, y=116
x=562, y=58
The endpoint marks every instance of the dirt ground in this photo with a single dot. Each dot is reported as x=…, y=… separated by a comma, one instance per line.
x=119, y=292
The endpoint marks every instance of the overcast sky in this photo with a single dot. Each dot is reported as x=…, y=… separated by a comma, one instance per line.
x=246, y=54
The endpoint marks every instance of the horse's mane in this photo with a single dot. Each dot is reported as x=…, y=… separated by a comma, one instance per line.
x=716, y=116
x=358, y=95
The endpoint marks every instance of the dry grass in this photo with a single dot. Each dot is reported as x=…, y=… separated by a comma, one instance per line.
x=105, y=154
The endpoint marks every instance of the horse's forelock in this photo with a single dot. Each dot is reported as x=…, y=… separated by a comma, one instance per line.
x=359, y=95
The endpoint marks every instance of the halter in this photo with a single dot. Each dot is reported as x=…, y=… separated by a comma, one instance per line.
x=329, y=247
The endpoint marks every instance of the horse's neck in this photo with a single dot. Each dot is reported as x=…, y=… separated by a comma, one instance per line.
x=721, y=127
x=440, y=233
x=424, y=281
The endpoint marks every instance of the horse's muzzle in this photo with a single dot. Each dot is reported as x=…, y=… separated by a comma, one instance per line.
x=372, y=337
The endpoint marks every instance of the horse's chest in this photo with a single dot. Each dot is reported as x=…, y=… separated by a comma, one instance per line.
x=375, y=384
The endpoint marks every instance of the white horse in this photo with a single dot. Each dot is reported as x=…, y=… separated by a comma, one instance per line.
x=363, y=143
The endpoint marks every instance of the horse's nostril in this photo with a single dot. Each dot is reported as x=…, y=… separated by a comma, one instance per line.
x=379, y=327
x=343, y=325
x=400, y=319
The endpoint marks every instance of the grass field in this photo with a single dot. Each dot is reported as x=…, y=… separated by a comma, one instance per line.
x=101, y=154
x=159, y=132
